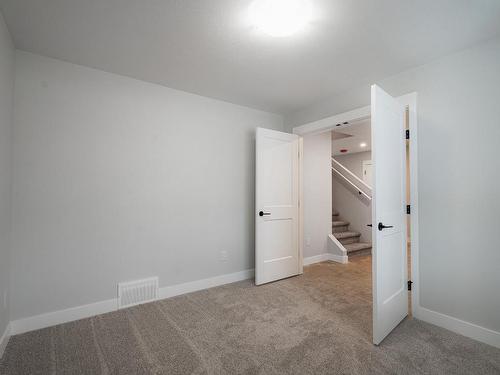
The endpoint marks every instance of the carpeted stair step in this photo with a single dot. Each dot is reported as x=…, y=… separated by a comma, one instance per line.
x=347, y=237
x=340, y=226
x=358, y=248
x=334, y=214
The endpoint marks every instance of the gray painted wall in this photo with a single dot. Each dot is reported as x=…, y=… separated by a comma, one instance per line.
x=6, y=102
x=117, y=179
x=459, y=135
x=346, y=201
x=317, y=196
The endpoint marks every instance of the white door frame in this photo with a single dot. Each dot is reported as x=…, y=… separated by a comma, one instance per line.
x=364, y=163
x=342, y=120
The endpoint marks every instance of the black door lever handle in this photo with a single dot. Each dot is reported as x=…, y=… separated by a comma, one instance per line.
x=382, y=226
x=369, y=225
x=262, y=213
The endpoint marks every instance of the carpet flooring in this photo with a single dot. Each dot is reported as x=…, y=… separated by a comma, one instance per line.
x=316, y=323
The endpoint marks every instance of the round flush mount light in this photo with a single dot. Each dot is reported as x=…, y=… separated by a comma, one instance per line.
x=280, y=18
x=362, y=144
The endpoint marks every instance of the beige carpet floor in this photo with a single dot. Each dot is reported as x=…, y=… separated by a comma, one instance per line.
x=317, y=323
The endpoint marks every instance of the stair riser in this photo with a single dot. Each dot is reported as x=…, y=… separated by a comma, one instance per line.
x=346, y=241
x=343, y=228
x=360, y=253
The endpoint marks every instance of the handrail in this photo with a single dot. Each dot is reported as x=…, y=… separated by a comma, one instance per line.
x=358, y=184
x=346, y=179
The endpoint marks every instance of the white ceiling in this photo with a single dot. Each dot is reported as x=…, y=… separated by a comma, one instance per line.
x=350, y=138
x=208, y=47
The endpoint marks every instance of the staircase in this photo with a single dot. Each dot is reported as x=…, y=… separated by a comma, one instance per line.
x=349, y=239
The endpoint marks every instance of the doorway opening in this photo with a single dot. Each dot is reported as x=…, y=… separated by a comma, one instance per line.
x=352, y=189
x=294, y=225
x=352, y=170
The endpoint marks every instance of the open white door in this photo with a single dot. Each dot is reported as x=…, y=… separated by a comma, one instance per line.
x=277, y=206
x=390, y=291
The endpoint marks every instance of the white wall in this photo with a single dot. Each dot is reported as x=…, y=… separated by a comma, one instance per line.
x=317, y=193
x=353, y=208
x=117, y=179
x=6, y=102
x=459, y=135
x=354, y=161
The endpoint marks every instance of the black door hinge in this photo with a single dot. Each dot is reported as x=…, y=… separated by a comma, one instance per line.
x=408, y=209
x=407, y=134
x=409, y=284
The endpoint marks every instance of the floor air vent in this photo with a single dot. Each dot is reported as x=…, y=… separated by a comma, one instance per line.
x=136, y=292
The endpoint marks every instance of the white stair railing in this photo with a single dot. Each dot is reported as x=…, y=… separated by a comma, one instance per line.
x=353, y=180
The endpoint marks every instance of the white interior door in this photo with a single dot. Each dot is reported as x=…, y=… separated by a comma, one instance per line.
x=389, y=262
x=276, y=206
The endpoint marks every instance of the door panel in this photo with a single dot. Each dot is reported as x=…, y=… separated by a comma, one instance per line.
x=276, y=170
x=277, y=196
x=389, y=262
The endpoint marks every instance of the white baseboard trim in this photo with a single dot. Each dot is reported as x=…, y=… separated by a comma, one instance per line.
x=316, y=259
x=339, y=258
x=87, y=311
x=324, y=257
x=62, y=316
x=461, y=327
x=4, y=340
x=338, y=252
x=193, y=286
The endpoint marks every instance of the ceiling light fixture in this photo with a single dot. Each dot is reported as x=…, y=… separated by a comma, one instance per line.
x=363, y=144
x=280, y=18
